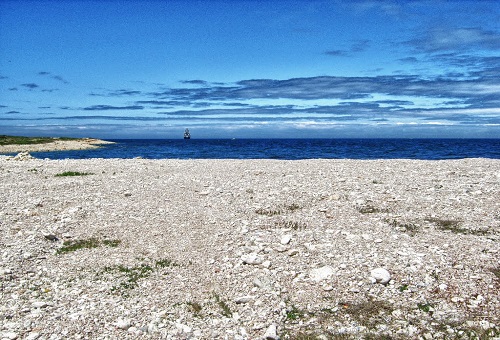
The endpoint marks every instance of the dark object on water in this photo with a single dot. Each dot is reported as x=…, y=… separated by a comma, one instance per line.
x=187, y=135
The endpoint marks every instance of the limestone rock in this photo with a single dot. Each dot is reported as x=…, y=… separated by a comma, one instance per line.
x=381, y=275
x=252, y=259
x=322, y=273
x=271, y=333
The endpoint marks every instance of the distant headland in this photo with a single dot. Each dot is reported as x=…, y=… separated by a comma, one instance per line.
x=10, y=144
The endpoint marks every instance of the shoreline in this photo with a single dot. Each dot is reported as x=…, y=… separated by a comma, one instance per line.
x=250, y=249
x=55, y=145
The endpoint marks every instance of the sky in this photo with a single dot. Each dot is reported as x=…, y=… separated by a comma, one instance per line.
x=250, y=68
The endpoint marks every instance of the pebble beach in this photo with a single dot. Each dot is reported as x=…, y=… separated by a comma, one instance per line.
x=249, y=249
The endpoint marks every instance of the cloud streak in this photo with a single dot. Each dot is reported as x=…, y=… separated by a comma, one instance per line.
x=111, y=107
x=456, y=39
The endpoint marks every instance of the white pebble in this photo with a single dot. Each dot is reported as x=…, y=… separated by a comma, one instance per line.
x=285, y=239
x=381, y=275
x=322, y=273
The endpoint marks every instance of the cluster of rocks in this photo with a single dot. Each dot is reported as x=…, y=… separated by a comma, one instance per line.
x=249, y=249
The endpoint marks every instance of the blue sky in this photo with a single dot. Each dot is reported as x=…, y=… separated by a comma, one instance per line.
x=250, y=69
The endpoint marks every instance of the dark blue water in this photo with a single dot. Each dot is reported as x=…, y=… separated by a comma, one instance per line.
x=426, y=149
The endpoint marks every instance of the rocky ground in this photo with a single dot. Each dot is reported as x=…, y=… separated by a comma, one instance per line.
x=57, y=144
x=249, y=249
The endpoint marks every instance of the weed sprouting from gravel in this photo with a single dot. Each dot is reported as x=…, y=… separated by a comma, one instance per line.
x=267, y=212
x=132, y=275
x=74, y=245
x=454, y=226
x=369, y=209
x=226, y=311
x=70, y=246
x=195, y=307
x=73, y=173
x=293, y=207
x=294, y=313
x=409, y=228
x=426, y=307
x=496, y=272
x=165, y=263
x=402, y=288
x=112, y=243
x=368, y=313
x=277, y=211
x=292, y=225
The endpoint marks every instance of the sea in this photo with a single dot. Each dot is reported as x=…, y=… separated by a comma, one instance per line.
x=288, y=149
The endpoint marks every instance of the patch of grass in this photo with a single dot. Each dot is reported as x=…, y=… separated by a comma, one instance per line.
x=496, y=272
x=454, y=226
x=293, y=207
x=130, y=276
x=70, y=246
x=111, y=243
x=426, y=307
x=277, y=211
x=402, y=288
x=164, y=263
x=74, y=245
x=294, y=313
x=368, y=313
x=369, y=209
x=195, y=307
x=410, y=228
x=226, y=311
x=268, y=212
x=73, y=173
x=292, y=225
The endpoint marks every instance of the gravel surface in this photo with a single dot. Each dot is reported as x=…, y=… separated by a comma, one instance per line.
x=249, y=249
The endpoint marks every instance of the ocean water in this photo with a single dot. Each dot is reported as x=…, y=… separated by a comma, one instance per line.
x=424, y=149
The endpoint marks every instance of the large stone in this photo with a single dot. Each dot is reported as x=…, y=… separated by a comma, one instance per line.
x=381, y=275
x=271, y=333
x=285, y=239
x=322, y=273
x=252, y=258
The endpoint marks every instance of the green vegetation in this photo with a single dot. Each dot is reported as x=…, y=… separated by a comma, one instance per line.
x=293, y=207
x=74, y=245
x=277, y=211
x=496, y=272
x=426, y=307
x=368, y=313
x=18, y=140
x=410, y=228
x=195, y=307
x=292, y=225
x=73, y=173
x=111, y=243
x=369, y=209
x=132, y=275
x=294, y=313
x=226, y=311
x=454, y=226
x=402, y=288
x=267, y=212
